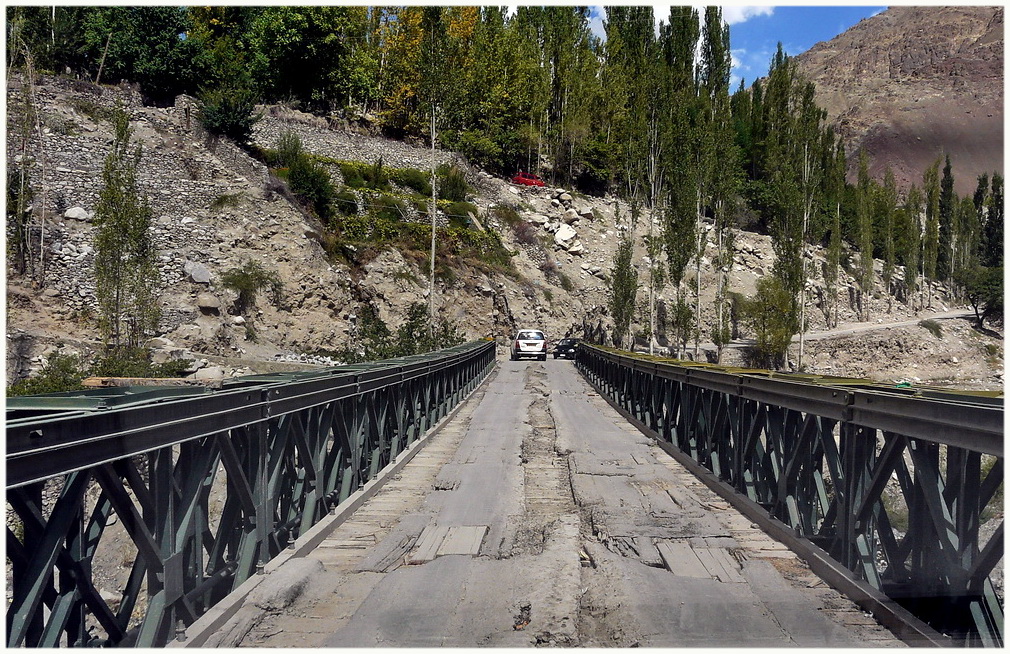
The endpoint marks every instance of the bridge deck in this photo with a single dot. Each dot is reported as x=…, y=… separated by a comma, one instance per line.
x=539, y=516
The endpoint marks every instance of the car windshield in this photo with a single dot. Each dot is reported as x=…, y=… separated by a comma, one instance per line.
x=530, y=336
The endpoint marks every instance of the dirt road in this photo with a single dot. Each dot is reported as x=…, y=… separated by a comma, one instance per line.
x=538, y=516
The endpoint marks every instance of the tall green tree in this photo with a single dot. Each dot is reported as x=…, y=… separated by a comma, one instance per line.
x=909, y=241
x=864, y=214
x=714, y=74
x=623, y=290
x=992, y=240
x=144, y=44
x=126, y=274
x=887, y=204
x=834, y=192
x=947, y=225
x=931, y=238
x=311, y=55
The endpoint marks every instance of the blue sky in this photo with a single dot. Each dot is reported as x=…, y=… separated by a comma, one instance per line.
x=755, y=31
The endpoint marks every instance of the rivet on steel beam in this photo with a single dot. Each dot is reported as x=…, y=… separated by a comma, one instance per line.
x=180, y=631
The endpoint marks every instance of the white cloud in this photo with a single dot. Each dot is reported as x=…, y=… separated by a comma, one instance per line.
x=596, y=17
x=734, y=14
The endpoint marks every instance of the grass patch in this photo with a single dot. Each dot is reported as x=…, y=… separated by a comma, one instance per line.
x=92, y=110
x=566, y=282
x=933, y=327
x=226, y=200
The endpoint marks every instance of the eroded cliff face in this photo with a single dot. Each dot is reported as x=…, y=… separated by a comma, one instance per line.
x=913, y=83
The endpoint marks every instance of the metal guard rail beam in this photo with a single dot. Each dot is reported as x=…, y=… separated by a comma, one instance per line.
x=282, y=449
x=811, y=462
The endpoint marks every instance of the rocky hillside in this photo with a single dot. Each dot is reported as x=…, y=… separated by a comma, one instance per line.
x=215, y=208
x=914, y=82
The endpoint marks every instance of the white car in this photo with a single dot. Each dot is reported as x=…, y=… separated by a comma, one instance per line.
x=529, y=343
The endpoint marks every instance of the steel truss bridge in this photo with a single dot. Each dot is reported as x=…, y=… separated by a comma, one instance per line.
x=881, y=490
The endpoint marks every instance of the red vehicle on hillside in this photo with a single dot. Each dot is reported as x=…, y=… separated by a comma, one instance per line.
x=527, y=179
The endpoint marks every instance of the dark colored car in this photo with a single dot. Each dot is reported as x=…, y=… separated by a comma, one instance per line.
x=527, y=179
x=566, y=348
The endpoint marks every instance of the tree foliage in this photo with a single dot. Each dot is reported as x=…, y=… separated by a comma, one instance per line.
x=623, y=290
x=126, y=274
x=769, y=313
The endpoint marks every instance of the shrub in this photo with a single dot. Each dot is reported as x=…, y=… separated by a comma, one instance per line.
x=311, y=182
x=933, y=327
x=93, y=110
x=457, y=212
x=770, y=313
x=352, y=174
x=376, y=176
x=388, y=208
x=566, y=282
x=412, y=178
x=249, y=280
x=229, y=112
x=59, y=374
x=346, y=203
x=289, y=149
x=452, y=184
x=504, y=214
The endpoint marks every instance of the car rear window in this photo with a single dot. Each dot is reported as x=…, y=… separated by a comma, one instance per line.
x=530, y=336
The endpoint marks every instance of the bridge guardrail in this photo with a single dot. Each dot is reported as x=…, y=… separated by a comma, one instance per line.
x=282, y=449
x=883, y=490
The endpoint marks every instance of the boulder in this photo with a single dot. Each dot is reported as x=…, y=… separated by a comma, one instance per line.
x=209, y=373
x=198, y=273
x=208, y=303
x=585, y=211
x=565, y=235
x=538, y=219
x=570, y=216
x=565, y=197
x=576, y=248
x=77, y=213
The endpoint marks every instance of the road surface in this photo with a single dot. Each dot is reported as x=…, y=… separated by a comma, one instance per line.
x=538, y=516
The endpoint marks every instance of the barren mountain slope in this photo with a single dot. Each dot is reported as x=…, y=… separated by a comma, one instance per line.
x=913, y=83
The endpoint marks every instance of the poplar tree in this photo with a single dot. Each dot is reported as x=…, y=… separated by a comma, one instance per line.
x=947, y=226
x=834, y=164
x=930, y=244
x=725, y=169
x=909, y=242
x=126, y=277
x=992, y=253
x=864, y=221
x=623, y=289
x=680, y=206
x=886, y=208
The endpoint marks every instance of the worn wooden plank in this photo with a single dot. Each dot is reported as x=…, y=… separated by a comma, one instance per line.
x=647, y=552
x=463, y=540
x=427, y=544
x=680, y=559
x=720, y=564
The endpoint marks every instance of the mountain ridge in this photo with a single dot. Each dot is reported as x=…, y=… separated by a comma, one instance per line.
x=912, y=84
